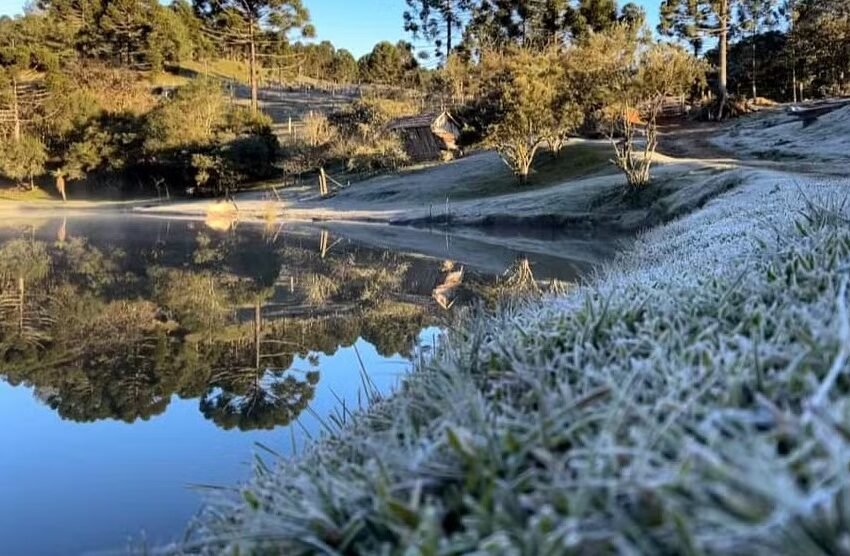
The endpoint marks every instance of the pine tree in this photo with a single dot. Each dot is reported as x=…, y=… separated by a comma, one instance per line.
x=753, y=17
x=693, y=21
x=243, y=22
x=437, y=21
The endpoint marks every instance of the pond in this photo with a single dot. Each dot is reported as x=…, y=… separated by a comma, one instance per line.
x=143, y=359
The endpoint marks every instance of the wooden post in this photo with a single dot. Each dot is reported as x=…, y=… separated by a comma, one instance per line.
x=290, y=126
x=60, y=186
x=21, y=305
x=324, y=240
x=323, y=182
x=258, y=315
x=253, y=70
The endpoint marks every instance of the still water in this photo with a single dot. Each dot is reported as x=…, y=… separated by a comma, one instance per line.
x=141, y=359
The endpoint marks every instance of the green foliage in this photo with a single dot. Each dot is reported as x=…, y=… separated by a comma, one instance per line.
x=389, y=64
x=192, y=118
x=23, y=159
x=820, y=42
x=436, y=21
x=535, y=106
x=108, y=144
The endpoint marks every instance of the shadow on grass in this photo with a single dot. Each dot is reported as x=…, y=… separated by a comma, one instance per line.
x=575, y=161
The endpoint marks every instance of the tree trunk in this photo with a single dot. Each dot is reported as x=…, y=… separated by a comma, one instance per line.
x=794, y=77
x=253, y=69
x=522, y=176
x=16, y=115
x=755, y=89
x=449, y=21
x=60, y=186
x=723, y=81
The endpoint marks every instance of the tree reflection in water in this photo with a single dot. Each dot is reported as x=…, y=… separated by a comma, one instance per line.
x=115, y=330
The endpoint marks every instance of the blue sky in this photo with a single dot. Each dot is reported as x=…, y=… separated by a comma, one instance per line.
x=354, y=24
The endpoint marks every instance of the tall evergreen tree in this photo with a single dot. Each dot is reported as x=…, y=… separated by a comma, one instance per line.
x=243, y=22
x=695, y=20
x=754, y=16
x=437, y=21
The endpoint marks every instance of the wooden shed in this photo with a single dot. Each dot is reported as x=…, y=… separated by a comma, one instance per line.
x=428, y=136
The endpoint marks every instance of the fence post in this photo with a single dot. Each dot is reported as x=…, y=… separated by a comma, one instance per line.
x=323, y=182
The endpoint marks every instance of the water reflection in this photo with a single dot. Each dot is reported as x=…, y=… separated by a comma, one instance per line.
x=107, y=327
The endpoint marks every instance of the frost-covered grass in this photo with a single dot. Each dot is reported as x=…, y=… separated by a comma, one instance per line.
x=692, y=400
x=782, y=137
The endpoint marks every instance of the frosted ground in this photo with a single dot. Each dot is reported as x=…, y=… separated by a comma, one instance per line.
x=693, y=399
x=780, y=136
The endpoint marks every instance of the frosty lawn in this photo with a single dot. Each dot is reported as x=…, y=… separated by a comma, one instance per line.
x=692, y=400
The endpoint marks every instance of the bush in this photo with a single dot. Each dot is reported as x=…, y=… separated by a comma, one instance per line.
x=318, y=130
x=252, y=156
x=370, y=154
x=194, y=117
x=23, y=159
x=368, y=115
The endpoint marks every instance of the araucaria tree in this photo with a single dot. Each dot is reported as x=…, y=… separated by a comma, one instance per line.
x=753, y=17
x=244, y=23
x=528, y=89
x=440, y=22
x=696, y=20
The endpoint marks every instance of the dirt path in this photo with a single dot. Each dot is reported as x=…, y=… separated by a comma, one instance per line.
x=691, y=140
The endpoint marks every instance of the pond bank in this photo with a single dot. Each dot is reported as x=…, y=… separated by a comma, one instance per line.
x=689, y=400
x=597, y=201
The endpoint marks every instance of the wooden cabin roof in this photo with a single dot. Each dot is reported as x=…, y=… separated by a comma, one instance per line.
x=419, y=121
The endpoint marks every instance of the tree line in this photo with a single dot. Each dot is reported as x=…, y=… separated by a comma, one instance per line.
x=527, y=75
x=79, y=101
x=787, y=46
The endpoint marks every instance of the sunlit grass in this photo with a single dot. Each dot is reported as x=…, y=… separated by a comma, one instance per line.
x=20, y=195
x=232, y=70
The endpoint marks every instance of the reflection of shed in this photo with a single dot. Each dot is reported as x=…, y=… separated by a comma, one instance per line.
x=427, y=136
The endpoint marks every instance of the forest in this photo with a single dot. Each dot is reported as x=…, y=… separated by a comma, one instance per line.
x=139, y=97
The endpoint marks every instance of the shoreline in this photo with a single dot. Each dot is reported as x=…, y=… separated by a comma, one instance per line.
x=628, y=391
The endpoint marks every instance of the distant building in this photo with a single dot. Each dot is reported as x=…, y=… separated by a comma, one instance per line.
x=428, y=136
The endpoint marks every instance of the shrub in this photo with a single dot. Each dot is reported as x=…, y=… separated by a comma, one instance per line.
x=369, y=154
x=318, y=130
x=370, y=114
x=23, y=159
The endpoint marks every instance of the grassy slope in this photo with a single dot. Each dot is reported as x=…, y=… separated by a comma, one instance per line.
x=230, y=70
x=16, y=194
x=575, y=161
x=482, y=175
x=692, y=400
